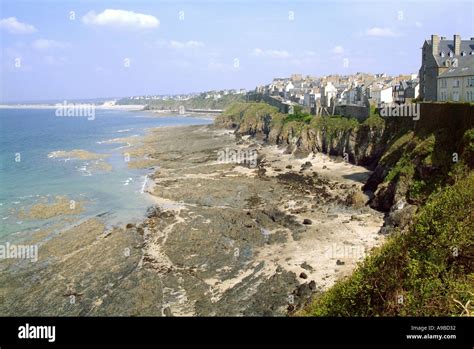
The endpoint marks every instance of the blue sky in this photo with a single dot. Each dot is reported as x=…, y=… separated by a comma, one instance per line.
x=127, y=48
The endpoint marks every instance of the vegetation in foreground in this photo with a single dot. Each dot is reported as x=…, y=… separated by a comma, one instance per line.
x=424, y=271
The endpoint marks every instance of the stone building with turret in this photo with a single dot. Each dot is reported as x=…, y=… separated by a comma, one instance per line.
x=438, y=56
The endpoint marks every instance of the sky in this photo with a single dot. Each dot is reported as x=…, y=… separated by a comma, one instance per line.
x=56, y=50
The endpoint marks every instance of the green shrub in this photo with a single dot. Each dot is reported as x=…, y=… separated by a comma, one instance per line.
x=430, y=265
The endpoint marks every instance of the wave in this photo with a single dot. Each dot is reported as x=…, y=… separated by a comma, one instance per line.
x=128, y=145
x=144, y=184
x=117, y=140
x=85, y=171
x=55, y=154
x=128, y=181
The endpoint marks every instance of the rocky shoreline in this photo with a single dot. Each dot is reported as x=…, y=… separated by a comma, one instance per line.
x=225, y=237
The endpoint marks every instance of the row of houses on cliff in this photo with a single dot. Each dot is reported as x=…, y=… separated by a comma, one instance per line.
x=320, y=94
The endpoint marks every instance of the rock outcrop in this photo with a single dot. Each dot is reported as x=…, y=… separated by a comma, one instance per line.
x=400, y=151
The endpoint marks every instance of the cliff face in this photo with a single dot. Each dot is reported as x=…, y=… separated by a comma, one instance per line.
x=360, y=143
x=402, y=152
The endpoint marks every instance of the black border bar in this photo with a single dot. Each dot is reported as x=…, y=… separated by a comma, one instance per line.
x=335, y=332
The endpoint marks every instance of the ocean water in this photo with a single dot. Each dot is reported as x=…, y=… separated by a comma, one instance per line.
x=28, y=175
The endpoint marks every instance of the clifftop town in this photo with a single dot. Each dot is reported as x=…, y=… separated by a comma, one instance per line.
x=446, y=74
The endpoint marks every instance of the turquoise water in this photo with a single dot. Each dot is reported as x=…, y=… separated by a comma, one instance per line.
x=28, y=175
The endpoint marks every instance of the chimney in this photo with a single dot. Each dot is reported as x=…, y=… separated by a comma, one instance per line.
x=434, y=44
x=457, y=45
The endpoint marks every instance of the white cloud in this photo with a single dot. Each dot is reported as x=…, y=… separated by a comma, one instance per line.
x=270, y=53
x=381, y=32
x=44, y=44
x=121, y=18
x=418, y=24
x=338, y=50
x=186, y=44
x=12, y=25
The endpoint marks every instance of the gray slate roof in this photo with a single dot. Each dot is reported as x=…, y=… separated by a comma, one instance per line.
x=448, y=46
x=464, y=68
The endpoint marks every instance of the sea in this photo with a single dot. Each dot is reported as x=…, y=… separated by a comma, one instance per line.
x=29, y=174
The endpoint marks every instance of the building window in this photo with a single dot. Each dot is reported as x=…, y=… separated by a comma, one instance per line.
x=456, y=83
x=470, y=82
x=456, y=96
